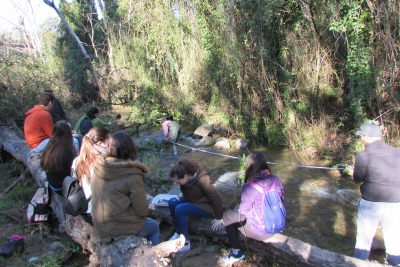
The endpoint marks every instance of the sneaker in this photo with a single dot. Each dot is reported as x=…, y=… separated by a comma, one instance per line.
x=174, y=237
x=232, y=257
x=186, y=247
x=15, y=244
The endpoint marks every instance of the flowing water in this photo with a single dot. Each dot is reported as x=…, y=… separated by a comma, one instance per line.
x=321, y=205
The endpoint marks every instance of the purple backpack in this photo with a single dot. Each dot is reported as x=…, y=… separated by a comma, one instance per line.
x=274, y=212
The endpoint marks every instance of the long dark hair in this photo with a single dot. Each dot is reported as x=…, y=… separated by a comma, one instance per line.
x=184, y=166
x=58, y=148
x=255, y=163
x=121, y=146
x=88, y=153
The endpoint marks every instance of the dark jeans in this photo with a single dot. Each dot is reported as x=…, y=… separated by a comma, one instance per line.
x=179, y=210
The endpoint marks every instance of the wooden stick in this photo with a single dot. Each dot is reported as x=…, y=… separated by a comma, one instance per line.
x=20, y=178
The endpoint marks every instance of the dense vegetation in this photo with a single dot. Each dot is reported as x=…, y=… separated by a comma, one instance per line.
x=295, y=73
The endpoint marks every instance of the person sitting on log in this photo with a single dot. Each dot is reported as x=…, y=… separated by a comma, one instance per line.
x=38, y=125
x=119, y=201
x=172, y=131
x=247, y=218
x=85, y=123
x=58, y=155
x=93, y=145
x=199, y=198
x=57, y=112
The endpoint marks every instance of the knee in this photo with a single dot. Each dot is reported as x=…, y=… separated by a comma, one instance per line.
x=173, y=202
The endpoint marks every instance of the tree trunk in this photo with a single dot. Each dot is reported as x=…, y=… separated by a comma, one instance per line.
x=83, y=50
x=132, y=251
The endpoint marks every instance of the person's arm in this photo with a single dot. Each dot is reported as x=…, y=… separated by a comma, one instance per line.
x=212, y=194
x=77, y=126
x=359, y=168
x=98, y=122
x=249, y=194
x=47, y=125
x=63, y=114
x=165, y=129
x=73, y=168
x=138, y=197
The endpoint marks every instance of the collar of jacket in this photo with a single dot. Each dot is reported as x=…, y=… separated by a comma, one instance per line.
x=202, y=171
x=113, y=168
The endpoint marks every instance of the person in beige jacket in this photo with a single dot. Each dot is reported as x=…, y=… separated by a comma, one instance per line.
x=119, y=204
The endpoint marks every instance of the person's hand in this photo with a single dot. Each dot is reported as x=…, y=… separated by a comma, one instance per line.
x=217, y=224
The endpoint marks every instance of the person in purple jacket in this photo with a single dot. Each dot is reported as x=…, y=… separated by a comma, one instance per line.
x=245, y=219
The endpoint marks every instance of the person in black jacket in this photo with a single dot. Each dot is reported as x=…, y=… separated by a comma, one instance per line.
x=58, y=113
x=378, y=168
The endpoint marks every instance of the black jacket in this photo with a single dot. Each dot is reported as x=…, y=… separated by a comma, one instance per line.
x=378, y=167
x=58, y=113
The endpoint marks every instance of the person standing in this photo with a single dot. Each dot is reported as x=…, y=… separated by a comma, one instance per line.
x=378, y=168
x=172, y=131
x=57, y=113
x=38, y=125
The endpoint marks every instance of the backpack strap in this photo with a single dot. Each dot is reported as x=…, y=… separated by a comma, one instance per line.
x=67, y=185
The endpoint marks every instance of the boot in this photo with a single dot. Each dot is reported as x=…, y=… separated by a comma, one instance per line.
x=175, y=149
x=15, y=245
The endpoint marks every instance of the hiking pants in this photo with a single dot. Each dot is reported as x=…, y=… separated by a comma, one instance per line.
x=370, y=214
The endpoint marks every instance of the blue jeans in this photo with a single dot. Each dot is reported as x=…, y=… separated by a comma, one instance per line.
x=370, y=214
x=41, y=146
x=151, y=231
x=44, y=143
x=179, y=210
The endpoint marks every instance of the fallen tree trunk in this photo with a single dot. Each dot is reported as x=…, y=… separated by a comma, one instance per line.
x=131, y=251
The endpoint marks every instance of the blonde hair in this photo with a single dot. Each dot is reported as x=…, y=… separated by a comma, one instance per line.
x=89, y=153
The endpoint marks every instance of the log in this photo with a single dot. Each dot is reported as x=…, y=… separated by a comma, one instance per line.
x=132, y=251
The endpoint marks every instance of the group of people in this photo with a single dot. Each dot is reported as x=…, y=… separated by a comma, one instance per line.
x=107, y=168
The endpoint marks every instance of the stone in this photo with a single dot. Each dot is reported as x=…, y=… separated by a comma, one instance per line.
x=222, y=130
x=204, y=130
x=241, y=143
x=222, y=143
x=205, y=141
x=156, y=138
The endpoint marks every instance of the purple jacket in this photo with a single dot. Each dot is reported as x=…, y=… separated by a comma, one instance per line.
x=252, y=198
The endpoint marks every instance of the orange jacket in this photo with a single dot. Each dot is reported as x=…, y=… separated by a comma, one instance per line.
x=38, y=126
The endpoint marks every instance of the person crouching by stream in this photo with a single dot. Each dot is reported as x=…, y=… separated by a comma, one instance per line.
x=93, y=145
x=58, y=155
x=199, y=199
x=119, y=202
x=172, y=131
x=246, y=219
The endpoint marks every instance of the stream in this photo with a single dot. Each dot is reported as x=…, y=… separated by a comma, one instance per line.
x=321, y=204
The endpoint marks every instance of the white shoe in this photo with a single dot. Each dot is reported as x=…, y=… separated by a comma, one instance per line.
x=184, y=248
x=174, y=237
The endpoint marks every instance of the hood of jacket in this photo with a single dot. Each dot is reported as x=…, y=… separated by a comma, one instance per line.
x=35, y=109
x=196, y=177
x=114, y=169
x=264, y=179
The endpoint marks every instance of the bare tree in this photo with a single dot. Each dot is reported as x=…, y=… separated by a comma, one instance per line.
x=83, y=50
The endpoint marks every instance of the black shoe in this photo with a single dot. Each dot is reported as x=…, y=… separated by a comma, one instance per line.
x=14, y=245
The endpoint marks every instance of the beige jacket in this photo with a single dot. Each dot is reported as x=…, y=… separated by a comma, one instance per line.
x=119, y=204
